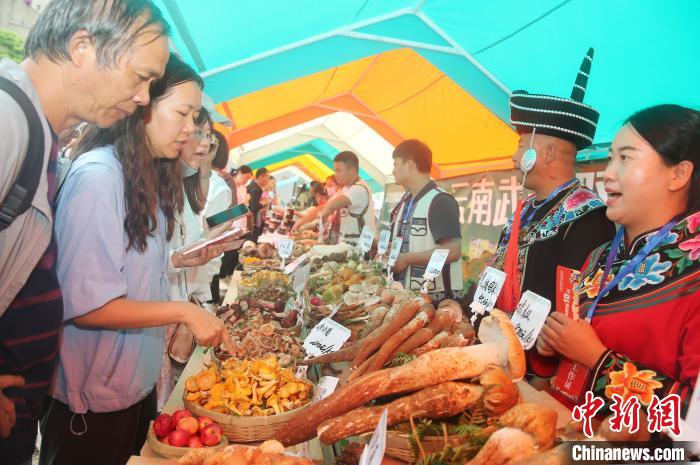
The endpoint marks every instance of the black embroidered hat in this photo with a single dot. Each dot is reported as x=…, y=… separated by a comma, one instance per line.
x=569, y=119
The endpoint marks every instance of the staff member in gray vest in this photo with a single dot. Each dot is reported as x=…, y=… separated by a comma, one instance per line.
x=427, y=217
x=349, y=210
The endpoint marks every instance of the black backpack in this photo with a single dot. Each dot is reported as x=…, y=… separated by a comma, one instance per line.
x=22, y=192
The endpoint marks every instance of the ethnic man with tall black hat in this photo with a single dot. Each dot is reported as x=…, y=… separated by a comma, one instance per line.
x=563, y=221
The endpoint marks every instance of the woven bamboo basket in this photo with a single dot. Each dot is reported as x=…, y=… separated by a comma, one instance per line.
x=247, y=429
x=398, y=446
x=171, y=452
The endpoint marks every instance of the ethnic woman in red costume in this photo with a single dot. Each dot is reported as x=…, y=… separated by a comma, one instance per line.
x=644, y=333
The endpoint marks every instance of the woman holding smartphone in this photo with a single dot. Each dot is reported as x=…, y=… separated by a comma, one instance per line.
x=116, y=213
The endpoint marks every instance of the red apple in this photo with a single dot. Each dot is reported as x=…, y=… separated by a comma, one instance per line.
x=204, y=422
x=163, y=425
x=165, y=440
x=188, y=424
x=211, y=435
x=180, y=414
x=179, y=438
x=194, y=442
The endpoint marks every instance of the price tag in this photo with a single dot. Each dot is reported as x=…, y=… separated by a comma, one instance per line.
x=529, y=317
x=395, y=250
x=292, y=267
x=383, y=244
x=437, y=261
x=301, y=276
x=326, y=337
x=285, y=247
x=366, y=239
x=301, y=371
x=374, y=452
x=487, y=291
x=325, y=387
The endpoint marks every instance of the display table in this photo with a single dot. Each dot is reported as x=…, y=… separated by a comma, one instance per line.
x=197, y=362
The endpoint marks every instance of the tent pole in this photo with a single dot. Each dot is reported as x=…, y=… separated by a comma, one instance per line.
x=308, y=41
x=463, y=52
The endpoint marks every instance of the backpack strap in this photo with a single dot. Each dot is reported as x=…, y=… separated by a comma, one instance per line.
x=20, y=196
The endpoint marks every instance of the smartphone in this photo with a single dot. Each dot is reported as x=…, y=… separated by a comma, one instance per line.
x=230, y=214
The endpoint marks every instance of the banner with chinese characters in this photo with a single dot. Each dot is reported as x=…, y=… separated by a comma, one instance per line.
x=486, y=201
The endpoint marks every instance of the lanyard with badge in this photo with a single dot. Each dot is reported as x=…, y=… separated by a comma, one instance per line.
x=629, y=267
x=527, y=215
x=571, y=376
x=407, y=215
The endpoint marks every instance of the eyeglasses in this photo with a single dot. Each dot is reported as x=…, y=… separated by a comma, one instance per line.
x=198, y=134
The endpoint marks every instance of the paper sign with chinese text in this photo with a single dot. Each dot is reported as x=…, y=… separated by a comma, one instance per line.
x=325, y=387
x=326, y=337
x=529, y=317
x=395, y=250
x=366, y=239
x=285, y=247
x=487, y=290
x=436, y=263
x=383, y=244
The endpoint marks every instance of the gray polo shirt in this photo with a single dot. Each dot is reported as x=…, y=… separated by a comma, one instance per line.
x=23, y=243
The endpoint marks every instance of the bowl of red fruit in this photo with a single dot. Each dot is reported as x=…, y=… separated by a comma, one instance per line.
x=174, y=435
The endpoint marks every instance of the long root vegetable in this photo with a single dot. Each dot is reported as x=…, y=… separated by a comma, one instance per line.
x=440, y=401
x=387, y=349
x=375, y=320
x=343, y=355
x=444, y=318
x=372, y=342
x=432, y=344
x=427, y=370
x=361, y=370
x=501, y=346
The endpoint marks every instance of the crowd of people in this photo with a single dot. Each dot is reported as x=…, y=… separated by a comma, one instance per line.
x=95, y=287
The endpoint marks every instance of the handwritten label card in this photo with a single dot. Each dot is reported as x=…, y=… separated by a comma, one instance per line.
x=325, y=387
x=374, y=452
x=529, y=317
x=437, y=261
x=395, y=250
x=366, y=239
x=487, y=291
x=285, y=247
x=383, y=244
x=326, y=337
x=301, y=372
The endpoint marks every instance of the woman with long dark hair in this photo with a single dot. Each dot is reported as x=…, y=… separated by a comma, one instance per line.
x=641, y=293
x=116, y=213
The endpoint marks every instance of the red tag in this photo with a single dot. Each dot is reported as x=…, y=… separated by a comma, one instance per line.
x=570, y=379
x=570, y=376
x=567, y=298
